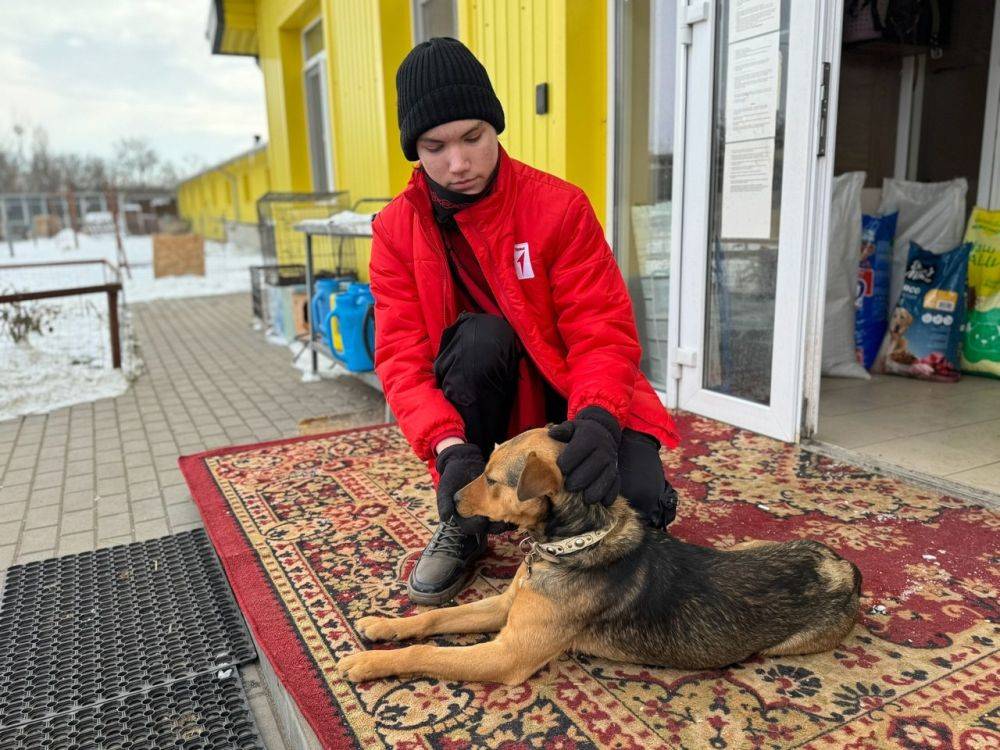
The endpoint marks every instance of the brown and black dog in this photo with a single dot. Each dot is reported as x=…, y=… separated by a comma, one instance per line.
x=638, y=595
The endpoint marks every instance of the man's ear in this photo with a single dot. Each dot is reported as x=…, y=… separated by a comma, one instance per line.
x=539, y=477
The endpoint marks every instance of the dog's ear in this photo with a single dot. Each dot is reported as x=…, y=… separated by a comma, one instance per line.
x=539, y=477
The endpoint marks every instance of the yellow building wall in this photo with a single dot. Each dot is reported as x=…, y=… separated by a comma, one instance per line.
x=562, y=43
x=228, y=192
x=364, y=41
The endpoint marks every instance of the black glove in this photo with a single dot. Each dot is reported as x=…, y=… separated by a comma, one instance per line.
x=589, y=463
x=458, y=465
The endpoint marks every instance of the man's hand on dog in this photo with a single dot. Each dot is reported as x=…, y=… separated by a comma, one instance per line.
x=458, y=465
x=589, y=462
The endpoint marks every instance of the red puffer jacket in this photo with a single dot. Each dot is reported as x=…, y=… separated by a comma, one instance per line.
x=545, y=258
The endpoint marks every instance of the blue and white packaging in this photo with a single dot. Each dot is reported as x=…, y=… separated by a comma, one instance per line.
x=924, y=337
x=874, y=272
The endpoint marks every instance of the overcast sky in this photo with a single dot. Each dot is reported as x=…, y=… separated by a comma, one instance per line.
x=92, y=71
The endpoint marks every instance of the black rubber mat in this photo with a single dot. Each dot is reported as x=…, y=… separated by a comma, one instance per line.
x=209, y=712
x=82, y=629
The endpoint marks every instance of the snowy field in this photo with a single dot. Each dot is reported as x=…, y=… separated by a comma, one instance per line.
x=72, y=363
x=226, y=268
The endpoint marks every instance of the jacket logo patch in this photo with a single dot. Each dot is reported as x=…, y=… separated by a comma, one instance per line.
x=522, y=261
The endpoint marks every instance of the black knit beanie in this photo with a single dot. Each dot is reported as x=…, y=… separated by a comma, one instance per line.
x=442, y=81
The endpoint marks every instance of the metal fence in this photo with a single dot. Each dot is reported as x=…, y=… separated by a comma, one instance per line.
x=28, y=215
x=68, y=312
x=281, y=244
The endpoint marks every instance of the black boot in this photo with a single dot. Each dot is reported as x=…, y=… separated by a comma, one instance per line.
x=445, y=566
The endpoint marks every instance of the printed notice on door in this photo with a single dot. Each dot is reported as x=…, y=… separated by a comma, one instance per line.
x=752, y=87
x=747, y=176
x=749, y=18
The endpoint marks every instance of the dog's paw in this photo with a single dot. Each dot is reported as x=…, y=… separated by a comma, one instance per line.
x=358, y=667
x=378, y=628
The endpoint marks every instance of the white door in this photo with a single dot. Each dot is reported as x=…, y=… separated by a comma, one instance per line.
x=751, y=182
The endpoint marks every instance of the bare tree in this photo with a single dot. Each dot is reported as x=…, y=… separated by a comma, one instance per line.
x=134, y=162
x=34, y=167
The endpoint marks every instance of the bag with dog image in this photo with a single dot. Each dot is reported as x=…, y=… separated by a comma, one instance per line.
x=925, y=329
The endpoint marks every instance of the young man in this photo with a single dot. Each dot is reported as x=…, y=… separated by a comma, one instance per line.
x=499, y=307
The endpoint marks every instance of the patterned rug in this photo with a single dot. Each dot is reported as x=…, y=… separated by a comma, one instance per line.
x=317, y=532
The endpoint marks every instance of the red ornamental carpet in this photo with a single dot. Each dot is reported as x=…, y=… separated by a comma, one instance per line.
x=317, y=532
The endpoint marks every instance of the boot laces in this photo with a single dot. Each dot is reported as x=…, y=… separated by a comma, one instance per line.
x=449, y=539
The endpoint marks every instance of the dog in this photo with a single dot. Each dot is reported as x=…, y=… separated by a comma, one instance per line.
x=899, y=323
x=600, y=581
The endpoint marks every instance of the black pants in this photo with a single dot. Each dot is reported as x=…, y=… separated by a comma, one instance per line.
x=477, y=370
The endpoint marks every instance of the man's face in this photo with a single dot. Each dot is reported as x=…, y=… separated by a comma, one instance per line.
x=460, y=155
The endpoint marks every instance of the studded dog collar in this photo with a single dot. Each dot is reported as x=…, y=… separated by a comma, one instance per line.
x=552, y=551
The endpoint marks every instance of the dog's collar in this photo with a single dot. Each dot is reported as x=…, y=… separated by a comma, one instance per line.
x=552, y=551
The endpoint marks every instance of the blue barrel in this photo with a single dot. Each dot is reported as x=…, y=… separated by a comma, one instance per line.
x=350, y=328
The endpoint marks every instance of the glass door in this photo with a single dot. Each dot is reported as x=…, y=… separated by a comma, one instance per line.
x=645, y=56
x=753, y=154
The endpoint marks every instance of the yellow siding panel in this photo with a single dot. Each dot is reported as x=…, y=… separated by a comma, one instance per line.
x=207, y=200
x=559, y=42
x=586, y=104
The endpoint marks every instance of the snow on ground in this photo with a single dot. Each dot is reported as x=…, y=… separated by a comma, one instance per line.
x=72, y=363
x=226, y=267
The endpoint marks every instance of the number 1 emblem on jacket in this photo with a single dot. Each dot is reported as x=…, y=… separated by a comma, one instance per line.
x=522, y=261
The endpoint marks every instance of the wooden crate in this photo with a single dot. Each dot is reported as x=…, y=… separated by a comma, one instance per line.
x=47, y=225
x=178, y=255
x=300, y=312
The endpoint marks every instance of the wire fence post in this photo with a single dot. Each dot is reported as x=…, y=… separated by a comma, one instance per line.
x=116, y=344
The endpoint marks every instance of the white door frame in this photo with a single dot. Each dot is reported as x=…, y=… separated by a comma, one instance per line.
x=805, y=193
x=819, y=241
x=989, y=164
x=988, y=193
x=318, y=60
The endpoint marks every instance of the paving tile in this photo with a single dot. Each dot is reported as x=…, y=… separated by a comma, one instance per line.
x=48, y=496
x=143, y=490
x=82, y=454
x=176, y=494
x=79, y=500
x=84, y=482
x=111, y=470
x=111, y=486
x=7, y=555
x=115, y=540
x=79, y=520
x=141, y=474
x=20, y=476
x=24, y=558
x=183, y=513
x=14, y=493
x=112, y=526
x=19, y=464
x=9, y=532
x=34, y=540
x=80, y=468
x=71, y=544
x=107, y=505
x=147, y=510
x=47, y=515
x=151, y=529
x=12, y=512
x=178, y=528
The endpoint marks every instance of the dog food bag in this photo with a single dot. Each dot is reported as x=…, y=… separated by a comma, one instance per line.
x=981, y=352
x=932, y=214
x=925, y=328
x=872, y=301
x=839, y=359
